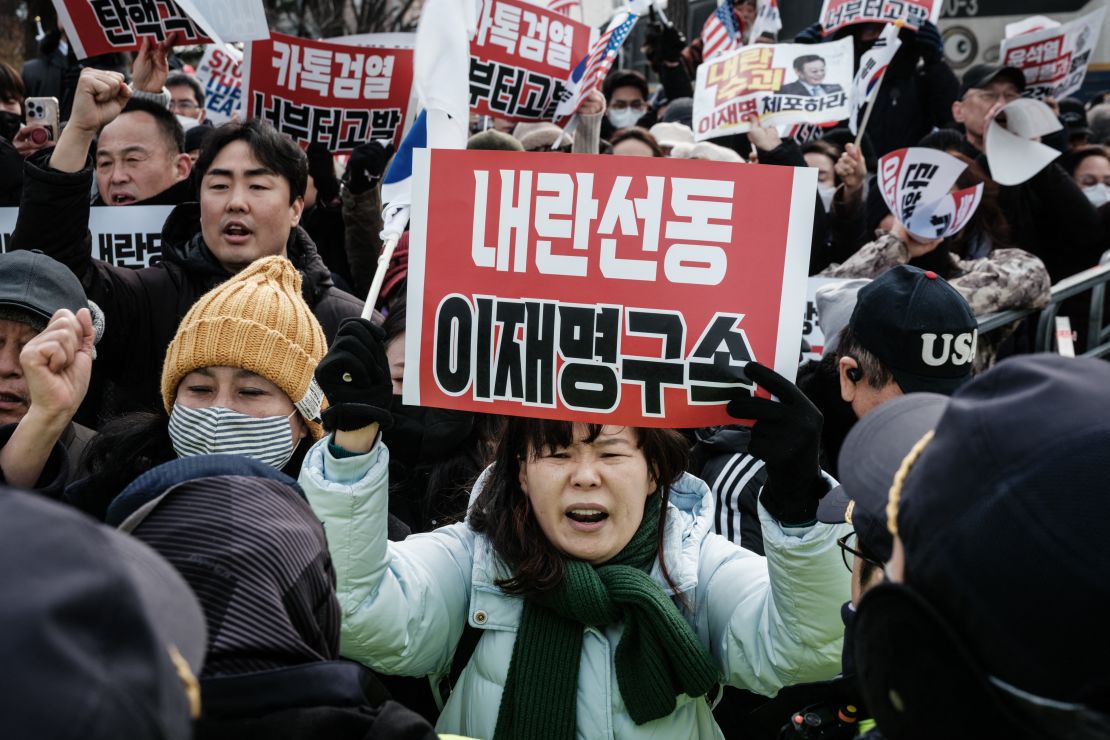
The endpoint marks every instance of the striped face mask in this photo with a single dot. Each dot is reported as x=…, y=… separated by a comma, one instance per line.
x=219, y=431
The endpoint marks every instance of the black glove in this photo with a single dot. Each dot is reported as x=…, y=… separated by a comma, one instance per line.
x=787, y=437
x=930, y=45
x=354, y=375
x=321, y=166
x=367, y=163
x=663, y=43
x=812, y=34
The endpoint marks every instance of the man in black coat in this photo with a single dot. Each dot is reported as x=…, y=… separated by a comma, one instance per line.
x=251, y=184
x=45, y=76
x=1048, y=214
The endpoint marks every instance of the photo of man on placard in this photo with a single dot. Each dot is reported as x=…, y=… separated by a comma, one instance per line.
x=811, y=74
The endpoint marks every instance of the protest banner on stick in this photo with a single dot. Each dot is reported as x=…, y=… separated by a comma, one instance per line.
x=869, y=77
x=1054, y=60
x=779, y=83
x=604, y=289
x=337, y=95
x=126, y=236
x=836, y=14
x=520, y=59
x=96, y=27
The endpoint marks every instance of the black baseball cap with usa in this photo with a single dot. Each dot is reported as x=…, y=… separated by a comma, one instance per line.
x=919, y=327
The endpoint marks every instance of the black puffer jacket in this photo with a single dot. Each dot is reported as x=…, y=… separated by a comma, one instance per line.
x=143, y=307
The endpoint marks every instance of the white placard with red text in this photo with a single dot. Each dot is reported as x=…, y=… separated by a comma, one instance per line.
x=916, y=185
x=781, y=83
x=220, y=72
x=601, y=289
x=1054, y=60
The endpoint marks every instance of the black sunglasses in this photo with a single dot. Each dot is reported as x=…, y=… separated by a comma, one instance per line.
x=845, y=548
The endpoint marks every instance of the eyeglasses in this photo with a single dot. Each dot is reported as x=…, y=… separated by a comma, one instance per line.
x=182, y=105
x=993, y=96
x=636, y=105
x=845, y=548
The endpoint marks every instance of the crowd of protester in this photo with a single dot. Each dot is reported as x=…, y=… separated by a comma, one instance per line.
x=221, y=521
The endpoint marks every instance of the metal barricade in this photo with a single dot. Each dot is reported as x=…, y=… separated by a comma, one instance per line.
x=1097, y=342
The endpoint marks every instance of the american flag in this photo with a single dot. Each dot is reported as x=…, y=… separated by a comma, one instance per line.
x=768, y=21
x=721, y=32
x=591, y=71
x=565, y=7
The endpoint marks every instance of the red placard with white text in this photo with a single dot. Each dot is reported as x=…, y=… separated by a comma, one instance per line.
x=520, y=59
x=601, y=289
x=96, y=27
x=339, y=95
x=836, y=14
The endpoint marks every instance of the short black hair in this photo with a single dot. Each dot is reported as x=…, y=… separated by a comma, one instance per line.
x=11, y=85
x=180, y=78
x=269, y=147
x=168, y=126
x=624, y=78
x=1071, y=160
x=944, y=139
x=874, y=371
x=805, y=59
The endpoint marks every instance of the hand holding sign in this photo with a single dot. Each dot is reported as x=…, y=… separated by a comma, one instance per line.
x=916, y=247
x=786, y=436
x=150, y=70
x=355, y=378
x=916, y=185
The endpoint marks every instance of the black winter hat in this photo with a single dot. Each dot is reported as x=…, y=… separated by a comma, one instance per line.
x=34, y=286
x=1002, y=519
x=98, y=634
x=870, y=457
x=981, y=75
x=919, y=327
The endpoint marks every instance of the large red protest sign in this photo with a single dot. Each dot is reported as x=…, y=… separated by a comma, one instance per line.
x=97, y=27
x=520, y=59
x=337, y=95
x=607, y=289
x=836, y=14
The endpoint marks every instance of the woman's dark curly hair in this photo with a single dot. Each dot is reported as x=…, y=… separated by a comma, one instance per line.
x=503, y=513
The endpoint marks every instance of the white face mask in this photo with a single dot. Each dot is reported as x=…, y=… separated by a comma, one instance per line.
x=624, y=118
x=826, y=193
x=219, y=431
x=1098, y=194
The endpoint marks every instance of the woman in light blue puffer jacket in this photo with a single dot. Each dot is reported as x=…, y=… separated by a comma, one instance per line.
x=608, y=608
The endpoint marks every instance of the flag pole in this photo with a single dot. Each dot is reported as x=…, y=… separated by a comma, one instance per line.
x=396, y=218
x=379, y=275
x=874, y=96
x=867, y=111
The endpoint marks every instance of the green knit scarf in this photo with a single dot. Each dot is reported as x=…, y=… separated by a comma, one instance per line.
x=658, y=657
